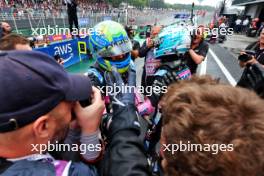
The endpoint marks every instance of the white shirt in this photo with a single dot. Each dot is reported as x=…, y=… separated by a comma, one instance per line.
x=222, y=25
x=68, y=1
x=238, y=21
x=245, y=22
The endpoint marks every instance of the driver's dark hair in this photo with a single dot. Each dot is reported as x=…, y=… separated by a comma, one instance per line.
x=203, y=111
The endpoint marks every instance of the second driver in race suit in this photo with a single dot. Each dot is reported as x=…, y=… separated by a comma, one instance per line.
x=146, y=50
x=166, y=55
x=174, y=42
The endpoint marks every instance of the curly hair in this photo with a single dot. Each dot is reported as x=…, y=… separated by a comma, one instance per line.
x=202, y=111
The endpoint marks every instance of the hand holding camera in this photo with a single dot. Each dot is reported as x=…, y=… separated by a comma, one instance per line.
x=89, y=118
x=155, y=42
x=247, y=57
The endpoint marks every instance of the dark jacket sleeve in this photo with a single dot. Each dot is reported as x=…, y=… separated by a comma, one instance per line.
x=136, y=45
x=204, y=49
x=143, y=50
x=125, y=152
x=252, y=46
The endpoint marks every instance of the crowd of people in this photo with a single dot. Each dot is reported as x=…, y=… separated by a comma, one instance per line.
x=21, y=9
x=248, y=26
x=43, y=107
x=48, y=7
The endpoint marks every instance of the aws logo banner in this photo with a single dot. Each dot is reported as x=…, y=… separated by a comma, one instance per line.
x=68, y=50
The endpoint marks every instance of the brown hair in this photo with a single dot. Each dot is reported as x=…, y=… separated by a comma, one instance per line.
x=203, y=111
x=10, y=41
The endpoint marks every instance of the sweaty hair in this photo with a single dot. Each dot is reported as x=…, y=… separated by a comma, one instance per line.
x=10, y=41
x=202, y=111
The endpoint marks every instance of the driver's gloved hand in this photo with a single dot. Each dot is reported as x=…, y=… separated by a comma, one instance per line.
x=123, y=102
x=162, y=82
x=170, y=77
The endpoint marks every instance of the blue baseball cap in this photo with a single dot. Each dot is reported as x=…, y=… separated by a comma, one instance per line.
x=32, y=84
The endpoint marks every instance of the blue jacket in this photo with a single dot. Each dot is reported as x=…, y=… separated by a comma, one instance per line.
x=45, y=168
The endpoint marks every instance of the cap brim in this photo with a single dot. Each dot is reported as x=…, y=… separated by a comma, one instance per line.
x=80, y=88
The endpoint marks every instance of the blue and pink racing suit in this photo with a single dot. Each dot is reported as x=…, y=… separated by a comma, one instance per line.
x=96, y=75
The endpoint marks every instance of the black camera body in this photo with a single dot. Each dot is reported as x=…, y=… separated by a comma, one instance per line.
x=247, y=56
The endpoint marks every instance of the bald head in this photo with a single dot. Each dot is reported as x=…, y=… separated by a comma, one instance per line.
x=7, y=29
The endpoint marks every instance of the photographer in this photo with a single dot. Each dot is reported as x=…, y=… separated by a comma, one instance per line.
x=135, y=44
x=39, y=108
x=198, y=51
x=258, y=56
x=147, y=51
x=252, y=60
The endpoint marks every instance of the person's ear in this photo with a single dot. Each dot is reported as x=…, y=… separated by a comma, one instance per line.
x=41, y=127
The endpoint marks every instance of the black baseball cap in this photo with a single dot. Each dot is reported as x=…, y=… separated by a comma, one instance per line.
x=32, y=84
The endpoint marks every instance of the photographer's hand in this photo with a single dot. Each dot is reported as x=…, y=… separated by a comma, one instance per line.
x=249, y=62
x=89, y=118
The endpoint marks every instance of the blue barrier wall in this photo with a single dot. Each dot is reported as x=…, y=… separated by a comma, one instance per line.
x=72, y=51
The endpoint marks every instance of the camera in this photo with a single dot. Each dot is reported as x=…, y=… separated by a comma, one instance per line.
x=156, y=42
x=85, y=103
x=246, y=56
